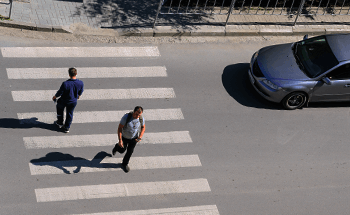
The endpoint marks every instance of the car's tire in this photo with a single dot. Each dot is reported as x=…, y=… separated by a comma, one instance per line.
x=294, y=100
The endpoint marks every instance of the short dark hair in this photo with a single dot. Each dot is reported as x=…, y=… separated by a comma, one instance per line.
x=72, y=72
x=139, y=109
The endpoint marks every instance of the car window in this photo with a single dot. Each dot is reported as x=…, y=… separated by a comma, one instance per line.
x=316, y=56
x=340, y=73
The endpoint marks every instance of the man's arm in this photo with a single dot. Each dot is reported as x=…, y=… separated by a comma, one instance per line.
x=81, y=91
x=120, y=129
x=59, y=92
x=143, y=129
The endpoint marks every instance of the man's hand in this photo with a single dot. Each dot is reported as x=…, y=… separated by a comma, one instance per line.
x=121, y=144
x=54, y=98
x=138, y=139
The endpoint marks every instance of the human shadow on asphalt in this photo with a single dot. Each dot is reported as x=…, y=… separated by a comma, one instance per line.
x=61, y=160
x=26, y=124
x=235, y=81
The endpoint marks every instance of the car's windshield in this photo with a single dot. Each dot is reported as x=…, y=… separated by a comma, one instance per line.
x=315, y=55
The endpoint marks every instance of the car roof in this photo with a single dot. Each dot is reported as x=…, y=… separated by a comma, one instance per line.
x=340, y=45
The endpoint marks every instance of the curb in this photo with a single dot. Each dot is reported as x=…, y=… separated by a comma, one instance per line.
x=231, y=30
x=193, y=31
x=33, y=27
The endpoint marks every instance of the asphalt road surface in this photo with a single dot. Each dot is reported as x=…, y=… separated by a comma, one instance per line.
x=212, y=145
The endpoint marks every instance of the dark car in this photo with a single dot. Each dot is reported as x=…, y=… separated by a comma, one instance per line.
x=311, y=70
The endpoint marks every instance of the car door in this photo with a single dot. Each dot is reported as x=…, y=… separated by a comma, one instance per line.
x=338, y=89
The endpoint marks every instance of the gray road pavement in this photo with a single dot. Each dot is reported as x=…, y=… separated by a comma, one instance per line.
x=256, y=157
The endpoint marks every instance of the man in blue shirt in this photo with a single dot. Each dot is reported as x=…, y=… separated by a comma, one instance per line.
x=69, y=93
x=130, y=131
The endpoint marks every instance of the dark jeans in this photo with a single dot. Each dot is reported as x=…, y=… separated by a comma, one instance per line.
x=129, y=145
x=69, y=113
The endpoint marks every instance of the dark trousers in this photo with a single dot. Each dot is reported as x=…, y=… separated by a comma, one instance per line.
x=69, y=113
x=129, y=145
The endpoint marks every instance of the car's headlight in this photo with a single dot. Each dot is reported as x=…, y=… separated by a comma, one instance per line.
x=270, y=84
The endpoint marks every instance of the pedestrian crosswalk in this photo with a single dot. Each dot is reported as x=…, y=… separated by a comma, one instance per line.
x=68, y=164
x=196, y=210
x=95, y=140
x=87, y=72
x=121, y=190
x=79, y=52
x=100, y=116
x=110, y=164
x=99, y=94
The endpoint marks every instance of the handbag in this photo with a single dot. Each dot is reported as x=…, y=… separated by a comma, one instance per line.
x=119, y=149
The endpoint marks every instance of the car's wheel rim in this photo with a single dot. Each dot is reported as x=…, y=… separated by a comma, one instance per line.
x=296, y=100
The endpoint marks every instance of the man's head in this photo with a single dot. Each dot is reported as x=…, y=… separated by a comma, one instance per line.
x=138, y=110
x=72, y=72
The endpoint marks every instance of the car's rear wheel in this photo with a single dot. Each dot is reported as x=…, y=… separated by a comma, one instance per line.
x=294, y=100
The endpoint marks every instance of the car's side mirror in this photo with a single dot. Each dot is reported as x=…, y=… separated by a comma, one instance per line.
x=326, y=80
x=306, y=36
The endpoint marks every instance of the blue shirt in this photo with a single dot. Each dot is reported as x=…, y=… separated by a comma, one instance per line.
x=70, y=90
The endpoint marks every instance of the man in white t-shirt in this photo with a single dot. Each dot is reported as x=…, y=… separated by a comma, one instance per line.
x=130, y=131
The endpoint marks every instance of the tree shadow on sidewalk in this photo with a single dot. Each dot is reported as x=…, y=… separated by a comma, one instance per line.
x=141, y=13
x=60, y=161
x=26, y=124
x=136, y=13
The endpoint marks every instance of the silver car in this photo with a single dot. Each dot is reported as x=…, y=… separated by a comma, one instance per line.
x=311, y=70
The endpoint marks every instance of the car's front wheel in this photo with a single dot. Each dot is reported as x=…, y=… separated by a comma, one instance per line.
x=294, y=100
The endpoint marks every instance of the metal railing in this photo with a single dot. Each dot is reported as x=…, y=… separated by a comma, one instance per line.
x=253, y=7
x=9, y=3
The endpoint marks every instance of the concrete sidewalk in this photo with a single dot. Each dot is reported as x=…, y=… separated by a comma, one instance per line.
x=136, y=17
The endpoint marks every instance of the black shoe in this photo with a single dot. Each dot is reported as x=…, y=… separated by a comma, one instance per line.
x=126, y=168
x=58, y=124
x=65, y=130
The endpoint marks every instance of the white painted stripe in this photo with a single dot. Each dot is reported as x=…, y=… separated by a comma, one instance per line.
x=67, y=52
x=100, y=116
x=98, y=94
x=121, y=190
x=113, y=164
x=194, y=210
x=103, y=140
x=86, y=72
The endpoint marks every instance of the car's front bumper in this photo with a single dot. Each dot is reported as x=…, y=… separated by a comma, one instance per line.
x=264, y=90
